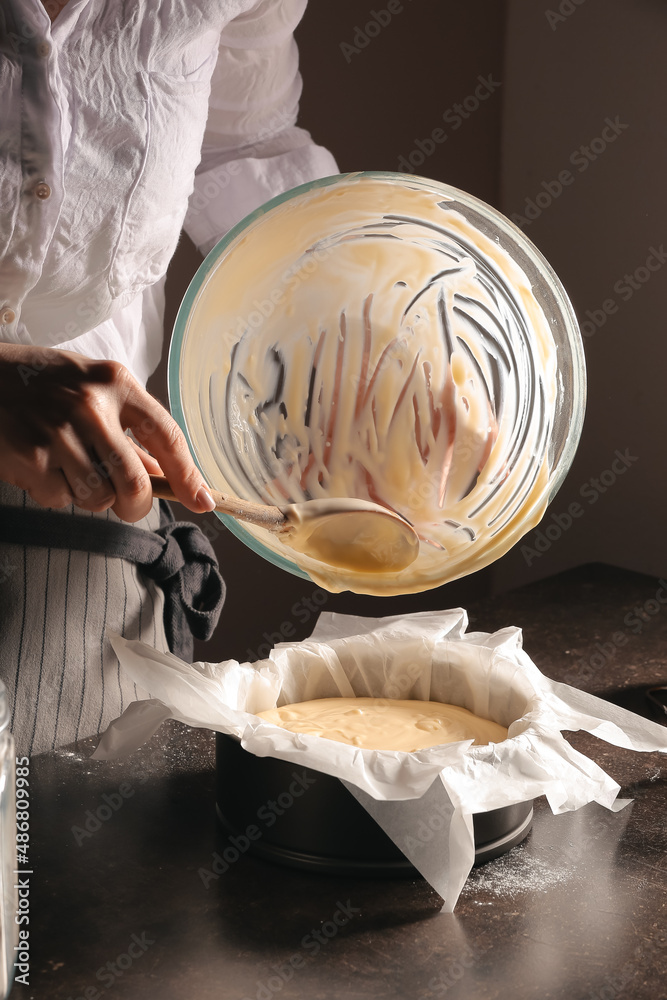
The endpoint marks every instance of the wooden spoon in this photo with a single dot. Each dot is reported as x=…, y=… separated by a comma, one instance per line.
x=355, y=535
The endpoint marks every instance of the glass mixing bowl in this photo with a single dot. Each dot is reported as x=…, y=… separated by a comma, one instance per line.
x=388, y=338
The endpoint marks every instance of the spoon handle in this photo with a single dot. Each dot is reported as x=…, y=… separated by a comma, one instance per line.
x=263, y=515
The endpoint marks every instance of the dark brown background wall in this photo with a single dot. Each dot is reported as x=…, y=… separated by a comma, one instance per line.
x=565, y=78
x=369, y=108
x=372, y=107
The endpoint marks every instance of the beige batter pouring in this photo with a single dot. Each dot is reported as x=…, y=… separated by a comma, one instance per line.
x=385, y=724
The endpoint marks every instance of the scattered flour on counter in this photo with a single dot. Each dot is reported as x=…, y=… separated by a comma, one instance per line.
x=515, y=873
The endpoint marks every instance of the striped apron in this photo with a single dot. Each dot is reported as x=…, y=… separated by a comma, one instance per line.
x=58, y=599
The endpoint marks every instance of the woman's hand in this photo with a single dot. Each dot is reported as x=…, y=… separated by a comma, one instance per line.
x=63, y=419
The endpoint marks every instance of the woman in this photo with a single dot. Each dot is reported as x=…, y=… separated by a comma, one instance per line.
x=122, y=122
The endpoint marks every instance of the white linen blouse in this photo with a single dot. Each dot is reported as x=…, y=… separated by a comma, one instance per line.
x=121, y=123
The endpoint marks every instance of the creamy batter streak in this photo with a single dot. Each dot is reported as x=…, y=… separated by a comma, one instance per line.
x=385, y=724
x=353, y=538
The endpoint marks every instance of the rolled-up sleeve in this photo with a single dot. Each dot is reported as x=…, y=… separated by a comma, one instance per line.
x=252, y=148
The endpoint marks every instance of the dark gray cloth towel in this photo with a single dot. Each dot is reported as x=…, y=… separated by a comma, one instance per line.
x=177, y=556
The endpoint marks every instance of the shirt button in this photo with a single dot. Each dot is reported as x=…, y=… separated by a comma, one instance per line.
x=42, y=190
x=8, y=315
x=43, y=49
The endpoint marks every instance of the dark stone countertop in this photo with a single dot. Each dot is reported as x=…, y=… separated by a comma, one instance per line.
x=577, y=911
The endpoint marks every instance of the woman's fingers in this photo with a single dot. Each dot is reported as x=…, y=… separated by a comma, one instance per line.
x=62, y=435
x=125, y=473
x=158, y=431
x=135, y=409
x=151, y=465
x=113, y=473
x=90, y=486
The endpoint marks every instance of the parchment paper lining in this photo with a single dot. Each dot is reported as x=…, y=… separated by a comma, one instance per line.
x=424, y=801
